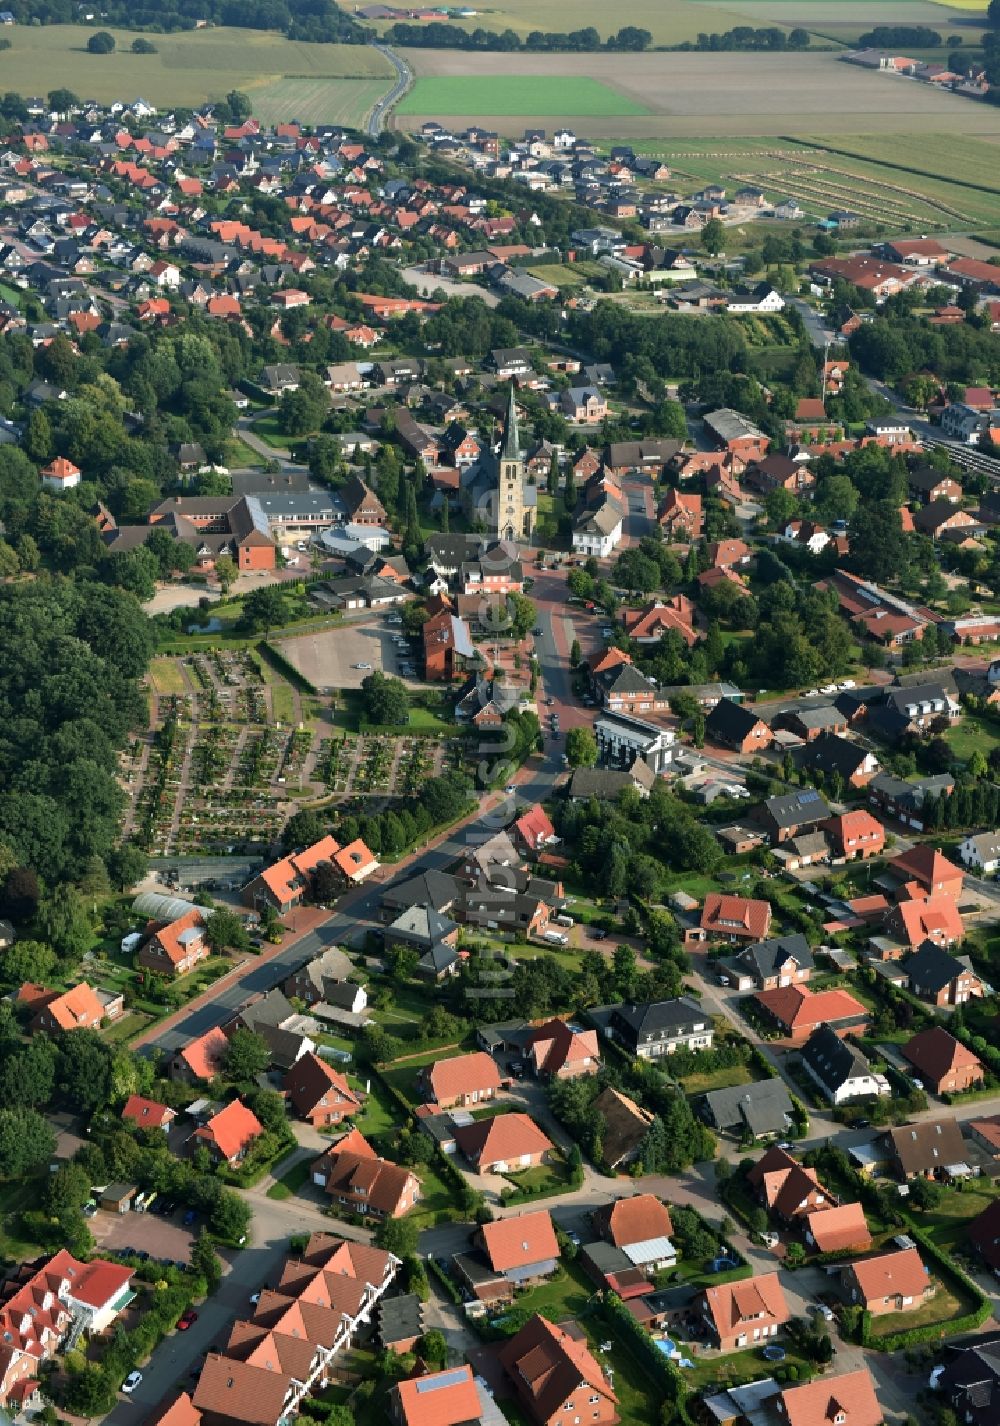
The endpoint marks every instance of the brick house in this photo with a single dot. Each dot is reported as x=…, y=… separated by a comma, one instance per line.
x=680, y=516
x=925, y=1150
x=200, y=1059
x=734, y=918
x=648, y=625
x=936, y=920
x=229, y=1135
x=503, y=1144
x=175, y=949
x=556, y=1377
x=744, y=1314
x=462, y=1081
x=287, y=883
x=356, y=1178
x=147, y=1113
x=797, y=1010
x=559, y=1050
x=80, y=1007
x=318, y=1093
x=448, y=647
x=941, y=978
x=840, y=1228
x=932, y=872
x=732, y=725
x=845, y=1400
x=855, y=834
x=785, y=1187
x=943, y=1063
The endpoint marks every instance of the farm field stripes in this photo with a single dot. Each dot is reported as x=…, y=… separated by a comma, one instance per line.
x=516, y=94
x=319, y=101
x=188, y=67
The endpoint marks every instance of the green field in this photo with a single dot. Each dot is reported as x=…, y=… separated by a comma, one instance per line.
x=318, y=101
x=194, y=65
x=511, y=94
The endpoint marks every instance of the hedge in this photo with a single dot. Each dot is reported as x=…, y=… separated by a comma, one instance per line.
x=660, y=1368
x=295, y=678
x=932, y=1331
x=445, y=1281
x=575, y=1181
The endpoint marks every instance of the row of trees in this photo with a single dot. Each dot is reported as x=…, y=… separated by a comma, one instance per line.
x=319, y=20
x=439, y=35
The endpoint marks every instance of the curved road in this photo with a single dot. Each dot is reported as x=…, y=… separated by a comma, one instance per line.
x=376, y=120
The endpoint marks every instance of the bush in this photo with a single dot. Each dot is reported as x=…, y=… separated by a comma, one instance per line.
x=101, y=43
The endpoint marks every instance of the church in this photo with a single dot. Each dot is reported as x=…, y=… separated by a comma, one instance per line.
x=497, y=495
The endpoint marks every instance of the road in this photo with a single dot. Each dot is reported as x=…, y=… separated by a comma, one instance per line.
x=376, y=120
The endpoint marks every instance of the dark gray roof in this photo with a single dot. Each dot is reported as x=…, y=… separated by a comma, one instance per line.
x=797, y=809
x=765, y=957
x=832, y=1060
x=831, y=753
x=729, y=719
x=680, y=1014
x=763, y=1106
x=932, y=968
x=399, y=1318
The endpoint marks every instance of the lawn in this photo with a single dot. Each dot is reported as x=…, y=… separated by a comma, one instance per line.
x=130, y=1024
x=437, y=1198
x=380, y=1115
x=975, y=733
x=941, y=1308
x=512, y=94
x=722, y=1078
x=734, y=1368
x=189, y=66
x=564, y=1295
x=167, y=677
x=947, y=1223
x=240, y=456
x=543, y=1181
x=292, y=1181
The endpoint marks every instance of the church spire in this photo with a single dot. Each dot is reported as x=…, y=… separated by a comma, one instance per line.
x=511, y=448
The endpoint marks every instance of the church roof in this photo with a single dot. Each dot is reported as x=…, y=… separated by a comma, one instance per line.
x=511, y=448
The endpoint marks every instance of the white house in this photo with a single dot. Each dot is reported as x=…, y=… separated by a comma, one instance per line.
x=981, y=852
x=763, y=299
x=598, y=532
x=839, y=1069
x=963, y=423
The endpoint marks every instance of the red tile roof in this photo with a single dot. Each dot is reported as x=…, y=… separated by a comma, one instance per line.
x=312, y=1080
x=557, y=1045
x=937, y=1054
x=635, y=1220
x=936, y=919
x=503, y=1139
x=448, y=1398
x=900, y=1273
x=849, y=1400
x=534, y=827
x=232, y=1130
x=835, y=1229
x=169, y=937
x=796, y=1006
x=758, y=1299
x=180, y=1412
x=736, y=915
x=72, y=1008
x=518, y=1242
x=147, y=1113
x=465, y=1074
x=926, y=865
x=205, y=1056
x=546, y=1365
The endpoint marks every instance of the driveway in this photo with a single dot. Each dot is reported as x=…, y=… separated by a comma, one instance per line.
x=162, y=1238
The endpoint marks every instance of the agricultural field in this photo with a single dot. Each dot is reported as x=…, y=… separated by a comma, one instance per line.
x=694, y=95
x=192, y=66
x=841, y=24
x=513, y=94
x=318, y=101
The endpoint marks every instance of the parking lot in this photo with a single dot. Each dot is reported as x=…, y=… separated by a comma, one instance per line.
x=163, y=1238
x=343, y=657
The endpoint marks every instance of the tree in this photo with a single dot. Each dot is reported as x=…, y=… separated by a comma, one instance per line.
x=581, y=747
x=28, y=960
x=66, y=1190
x=239, y=104
x=224, y=931
x=84, y=1070
x=63, y=921
x=127, y=865
x=205, y=1261
x=385, y=700
x=575, y=653
x=713, y=235
x=552, y=481
x=101, y=43
x=522, y=613
x=264, y=608
x=26, y=1142
x=229, y=1217
x=141, y=46
x=398, y=1236
x=247, y=1056
x=226, y=571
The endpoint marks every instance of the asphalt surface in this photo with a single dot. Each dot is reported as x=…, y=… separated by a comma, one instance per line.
x=375, y=122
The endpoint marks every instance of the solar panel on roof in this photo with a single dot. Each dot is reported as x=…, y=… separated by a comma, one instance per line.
x=434, y=1383
x=810, y=795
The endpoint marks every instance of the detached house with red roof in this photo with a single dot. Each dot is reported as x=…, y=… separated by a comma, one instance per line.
x=943, y=1063
x=503, y=1144
x=229, y=1135
x=888, y=1282
x=840, y=1228
x=798, y=1011
x=446, y=1398
x=319, y=1093
x=561, y=1050
x=287, y=883
x=60, y=474
x=734, y=918
x=148, y=1113
x=357, y=1179
x=639, y=1227
x=200, y=1059
x=80, y=1007
x=534, y=831
x=847, y=1400
x=855, y=834
x=556, y=1378
x=462, y=1081
x=175, y=949
x=744, y=1314
x=521, y=1249
x=680, y=516
x=786, y=1187
x=925, y=868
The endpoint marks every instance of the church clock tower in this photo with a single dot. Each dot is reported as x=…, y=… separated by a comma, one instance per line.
x=515, y=518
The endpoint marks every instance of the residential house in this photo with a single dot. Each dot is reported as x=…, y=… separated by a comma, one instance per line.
x=60, y=474
x=175, y=949
x=355, y=1178
x=813, y=722
x=840, y=1228
x=855, y=834
x=503, y=1144
x=640, y=1227
x=924, y=867
x=928, y=485
x=743, y=1314
x=446, y=1398
x=939, y=977
x=461, y=1082
x=760, y=1109
x=980, y=851
x=362, y=505
x=785, y=1187
x=840, y=1069
x=904, y=801
x=733, y=432
x=733, y=918
x=798, y=1011
x=930, y=1149
x=288, y=882
x=623, y=740
x=625, y=1125
x=943, y=1063
x=401, y=1323
x=786, y=817
x=888, y=1282
x=80, y=1007
x=534, y=832
x=555, y=1377
x=200, y=1059
x=680, y=516
x=845, y=1400
x=561, y=1050
x=659, y=1027
x=448, y=647
x=983, y=1233
x=147, y=1113
x=521, y=1249
x=326, y=978
x=835, y=756
x=733, y=725
x=765, y=965
x=936, y=920
x=230, y=1134
x=318, y=1093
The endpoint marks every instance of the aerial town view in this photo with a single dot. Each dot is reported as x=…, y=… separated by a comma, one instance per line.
x=500, y=713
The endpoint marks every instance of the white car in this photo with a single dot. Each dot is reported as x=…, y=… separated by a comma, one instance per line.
x=829, y=688
x=847, y=684
x=813, y=693
x=820, y=1309
x=133, y=1380
x=510, y=789
x=361, y=665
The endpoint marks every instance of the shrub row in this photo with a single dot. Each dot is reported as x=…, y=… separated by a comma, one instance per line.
x=660, y=1368
x=296, y=679
x=445, y=1281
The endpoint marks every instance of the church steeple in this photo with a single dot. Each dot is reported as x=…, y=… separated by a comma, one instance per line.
x=511, y=448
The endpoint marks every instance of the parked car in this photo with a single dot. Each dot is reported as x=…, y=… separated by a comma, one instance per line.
x=820, y=1309
x=189, y=1318
x=130, y=1383
x=361, y=665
